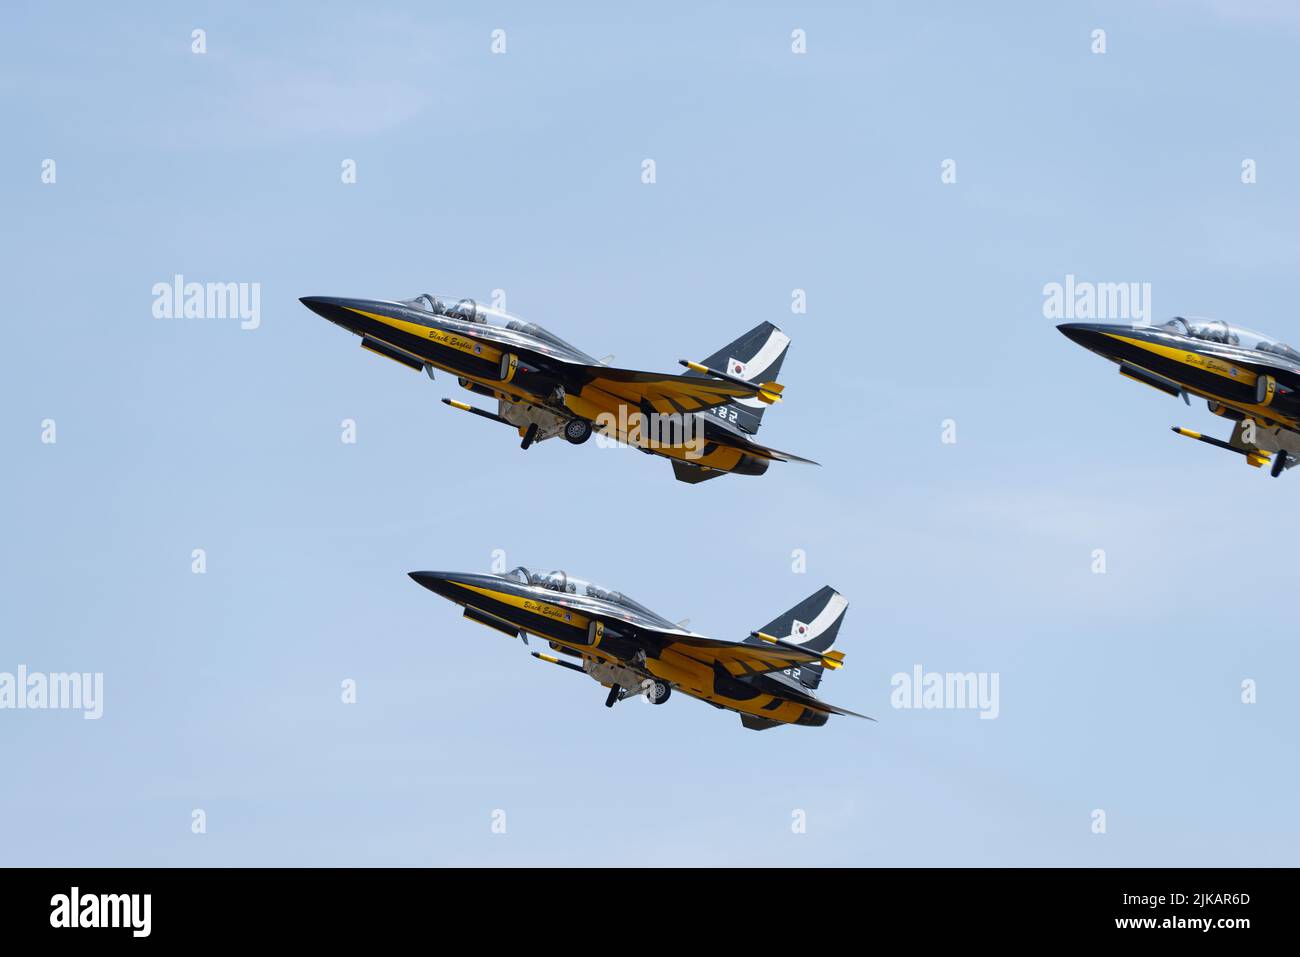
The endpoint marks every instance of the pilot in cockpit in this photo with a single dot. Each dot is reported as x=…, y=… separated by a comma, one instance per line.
x=466, y=310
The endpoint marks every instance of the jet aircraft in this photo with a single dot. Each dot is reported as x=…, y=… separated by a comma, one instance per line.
x=1244, y=376
x=704, y=420
x=769, y=679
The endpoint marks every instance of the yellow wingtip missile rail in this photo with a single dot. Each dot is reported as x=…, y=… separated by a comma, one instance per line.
x=767, y=392
x=1210, y=440
x=1255, y=457
x=466, y=407
x=703, y=421
x=1244, y=376
x=832, y=659
x=769, y=679
x=551, y=659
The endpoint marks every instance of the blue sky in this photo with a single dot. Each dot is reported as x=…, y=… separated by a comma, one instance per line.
x=521, y=172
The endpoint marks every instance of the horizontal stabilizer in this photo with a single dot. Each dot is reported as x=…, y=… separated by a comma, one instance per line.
x=777, y=455
x=807, y=699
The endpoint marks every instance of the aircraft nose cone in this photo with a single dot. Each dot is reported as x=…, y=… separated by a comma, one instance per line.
x=326, y=307
x=1090, y=335
x=1075, y=331
x=436, y=582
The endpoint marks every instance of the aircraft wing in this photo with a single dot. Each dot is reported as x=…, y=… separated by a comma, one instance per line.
x=666, y=393
x=739, y=658
x=746, y=659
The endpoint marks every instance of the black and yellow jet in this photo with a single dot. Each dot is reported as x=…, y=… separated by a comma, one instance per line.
x=1244, y=376
x=703, y=420
x=769, y=679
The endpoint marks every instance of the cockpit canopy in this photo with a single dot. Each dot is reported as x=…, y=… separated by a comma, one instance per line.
x=559, y=581
x=1216, y=330
x=468, y=310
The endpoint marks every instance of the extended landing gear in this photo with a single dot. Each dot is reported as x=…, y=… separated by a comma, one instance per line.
x=577, y=431
x=529, y=435
x=655, y=691
x=1279, y=463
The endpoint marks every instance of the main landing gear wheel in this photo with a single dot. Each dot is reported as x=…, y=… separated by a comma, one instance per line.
x=615, y=693
x=577, y=431
x=658, y=692
x=1279, y=464
x=529, y=435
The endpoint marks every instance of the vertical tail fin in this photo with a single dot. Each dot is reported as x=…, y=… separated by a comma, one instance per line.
x=814, y=623
x=755, y=357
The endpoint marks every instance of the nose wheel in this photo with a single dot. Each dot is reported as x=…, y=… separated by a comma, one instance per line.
x=1279, y=463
